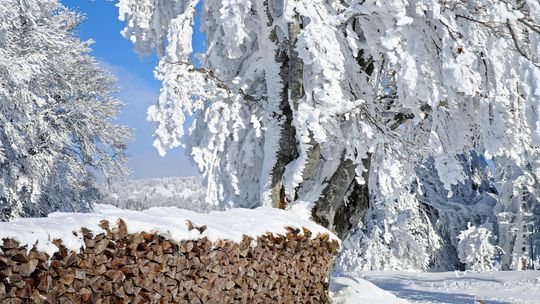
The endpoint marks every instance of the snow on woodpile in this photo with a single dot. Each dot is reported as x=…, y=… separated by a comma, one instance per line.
x=166, y=255
x=170, y=222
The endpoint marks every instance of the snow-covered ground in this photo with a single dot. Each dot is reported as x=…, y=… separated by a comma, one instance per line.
x=351, y=290
x=440, y=288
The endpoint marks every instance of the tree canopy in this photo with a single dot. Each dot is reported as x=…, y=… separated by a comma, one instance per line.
x=56, y=109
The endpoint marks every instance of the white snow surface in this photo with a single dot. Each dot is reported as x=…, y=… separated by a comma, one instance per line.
x=498, y=287
x=351, y=290
x=170, y=222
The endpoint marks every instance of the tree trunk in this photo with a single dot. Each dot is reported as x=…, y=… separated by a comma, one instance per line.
x=287, y=151
x=287, y=142
x=343, y=201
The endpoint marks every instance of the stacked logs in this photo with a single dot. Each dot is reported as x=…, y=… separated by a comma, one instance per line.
x=117, y=267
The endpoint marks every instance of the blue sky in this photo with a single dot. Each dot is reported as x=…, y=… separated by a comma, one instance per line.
x=138, y=88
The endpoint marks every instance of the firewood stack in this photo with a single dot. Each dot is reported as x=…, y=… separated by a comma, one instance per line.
x=117, y=267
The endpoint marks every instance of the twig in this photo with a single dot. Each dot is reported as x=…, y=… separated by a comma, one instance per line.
x=219, y=83
x=515, y=38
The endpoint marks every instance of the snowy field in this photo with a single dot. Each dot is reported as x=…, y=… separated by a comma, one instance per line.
x=440, y=288
x=141, y=194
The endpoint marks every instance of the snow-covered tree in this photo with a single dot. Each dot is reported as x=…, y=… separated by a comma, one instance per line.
x=329, y=107
x=56, y=107
x=476, y=249
x=420, y=230
x=517, y=212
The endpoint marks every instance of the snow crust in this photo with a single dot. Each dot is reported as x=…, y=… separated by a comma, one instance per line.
x=170, y=222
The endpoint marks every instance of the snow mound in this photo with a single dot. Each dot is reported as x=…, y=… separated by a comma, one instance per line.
x=169, y=222
x=349, y=290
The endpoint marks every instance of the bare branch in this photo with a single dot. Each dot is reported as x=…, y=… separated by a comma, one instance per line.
x=219, y=82
x=521, y=51
x=489, y=26
x=534, y=27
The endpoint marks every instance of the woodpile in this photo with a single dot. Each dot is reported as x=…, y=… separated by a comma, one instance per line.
x=117, y=267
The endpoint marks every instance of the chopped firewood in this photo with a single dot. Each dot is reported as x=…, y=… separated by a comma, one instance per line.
x=117, y=267
x=104, y=224
x=85, y=294
x=122, y=230
x=9, y=244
